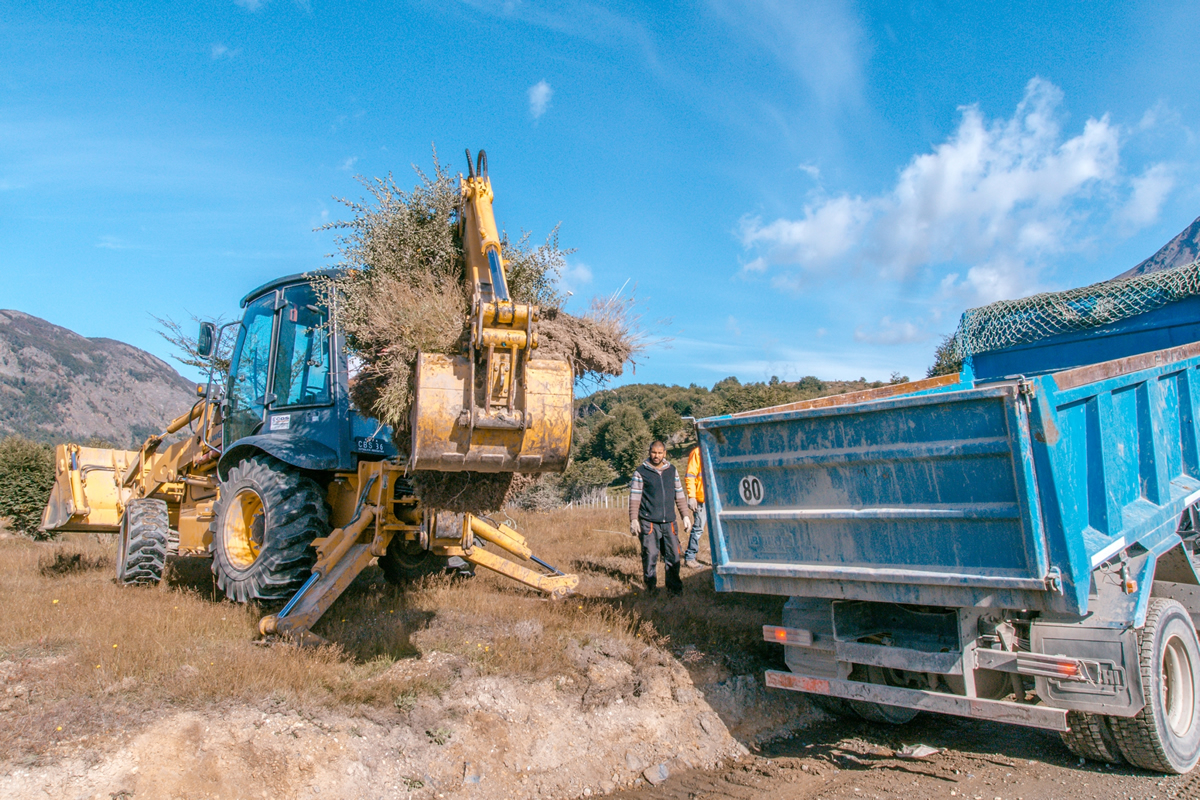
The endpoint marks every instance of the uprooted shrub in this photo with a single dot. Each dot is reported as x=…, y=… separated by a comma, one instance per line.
x=403, y=292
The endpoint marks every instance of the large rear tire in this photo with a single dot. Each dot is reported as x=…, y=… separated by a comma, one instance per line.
x=1091, y=737
x=406, y=561
x=267, y=516
x=1165, y=735
x=143, y=542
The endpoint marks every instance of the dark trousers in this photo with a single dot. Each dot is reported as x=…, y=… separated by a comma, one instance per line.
x=659, y=537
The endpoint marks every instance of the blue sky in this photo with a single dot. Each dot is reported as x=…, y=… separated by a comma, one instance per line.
x=793, y=188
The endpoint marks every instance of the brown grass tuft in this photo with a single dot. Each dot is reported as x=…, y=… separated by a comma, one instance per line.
x=66, y=561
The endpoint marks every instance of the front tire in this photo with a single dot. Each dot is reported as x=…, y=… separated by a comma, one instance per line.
x=143, y=542
x=267, y=516
x=1165, y=735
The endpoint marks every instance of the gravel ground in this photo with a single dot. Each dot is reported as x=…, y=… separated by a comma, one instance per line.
x=847, y=758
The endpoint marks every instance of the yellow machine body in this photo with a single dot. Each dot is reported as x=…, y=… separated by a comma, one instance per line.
x=492, y=408
x=92, y=485
x=369, y=519
x=535, y=439
x=87, y=493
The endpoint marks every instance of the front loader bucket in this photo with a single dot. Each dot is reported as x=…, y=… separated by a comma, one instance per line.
x=86, y=495
x=450, y=433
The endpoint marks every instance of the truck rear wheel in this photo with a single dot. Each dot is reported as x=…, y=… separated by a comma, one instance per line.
x=143, y=542
x=267, y=516
x=878, y=712
x=1091, y=737
x=1165, y=735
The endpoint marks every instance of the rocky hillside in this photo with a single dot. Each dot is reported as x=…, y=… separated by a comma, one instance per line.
x=56, y=385
x=1183, y=249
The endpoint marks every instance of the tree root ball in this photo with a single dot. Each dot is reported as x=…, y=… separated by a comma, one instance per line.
x=468, y=492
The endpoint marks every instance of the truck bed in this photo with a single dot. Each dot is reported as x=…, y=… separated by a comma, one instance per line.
x=956, y=493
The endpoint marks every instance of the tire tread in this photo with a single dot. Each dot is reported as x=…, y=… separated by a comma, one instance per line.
x=148, y=530
x=1091, y=737
x=296, y=514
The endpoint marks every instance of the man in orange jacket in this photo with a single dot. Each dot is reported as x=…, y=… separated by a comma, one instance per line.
x=693, y=485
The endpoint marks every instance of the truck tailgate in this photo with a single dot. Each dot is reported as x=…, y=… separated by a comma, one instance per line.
x=928, y=490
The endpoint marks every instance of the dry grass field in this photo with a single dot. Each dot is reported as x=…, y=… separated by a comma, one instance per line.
x=82, y=660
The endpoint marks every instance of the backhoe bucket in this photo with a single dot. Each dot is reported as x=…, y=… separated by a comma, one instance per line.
x=86, y=495
x=452, y=433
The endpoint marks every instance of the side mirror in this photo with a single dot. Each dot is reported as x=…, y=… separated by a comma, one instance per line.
x=206, y=339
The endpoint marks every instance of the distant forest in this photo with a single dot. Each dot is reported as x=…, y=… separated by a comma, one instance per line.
x=617, y=425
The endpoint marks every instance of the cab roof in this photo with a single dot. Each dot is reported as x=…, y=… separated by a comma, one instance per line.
x=288, y=280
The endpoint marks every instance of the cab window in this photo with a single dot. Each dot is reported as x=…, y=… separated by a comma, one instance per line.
x=248, y=373
x=302, y=354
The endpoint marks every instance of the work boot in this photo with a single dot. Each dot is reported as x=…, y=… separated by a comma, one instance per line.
x=692, y=563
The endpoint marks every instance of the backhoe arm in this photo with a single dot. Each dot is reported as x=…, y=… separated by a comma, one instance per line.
x=492, y=408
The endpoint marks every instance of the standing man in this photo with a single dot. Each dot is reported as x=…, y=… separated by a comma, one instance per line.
x=693, y=484
x=655, y=493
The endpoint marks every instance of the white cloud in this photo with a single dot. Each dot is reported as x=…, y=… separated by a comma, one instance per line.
x=820, y=42
x=574, y=277
x=811, y=170
x=826, y=231
x=891, y=331
x=114, y=243
x=220, y=50
x=539, y=98
x=1150, y=189
x=999, y=194
x=349, y=163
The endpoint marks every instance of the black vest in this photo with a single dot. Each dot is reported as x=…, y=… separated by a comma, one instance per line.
x=658, y=494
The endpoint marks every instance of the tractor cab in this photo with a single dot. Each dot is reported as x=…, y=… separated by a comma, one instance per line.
x=286, y=392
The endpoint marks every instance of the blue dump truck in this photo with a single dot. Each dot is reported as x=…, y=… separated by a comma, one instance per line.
x=1014, y=542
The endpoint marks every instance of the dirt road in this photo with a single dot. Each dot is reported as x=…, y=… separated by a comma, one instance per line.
x=980, y=761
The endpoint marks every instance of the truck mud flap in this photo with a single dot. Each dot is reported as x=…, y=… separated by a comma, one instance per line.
x=1052, y=719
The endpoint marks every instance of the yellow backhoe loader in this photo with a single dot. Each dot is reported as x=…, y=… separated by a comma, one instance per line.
x=292, y=491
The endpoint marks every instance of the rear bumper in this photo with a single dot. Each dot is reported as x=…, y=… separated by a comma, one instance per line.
x=1031, y=716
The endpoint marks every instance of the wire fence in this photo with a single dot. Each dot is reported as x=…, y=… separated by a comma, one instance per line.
x=603, y=497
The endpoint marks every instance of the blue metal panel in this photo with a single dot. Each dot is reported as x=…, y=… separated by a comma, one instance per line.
x=1117, y=464
x=1005, y=495
x=921, y=490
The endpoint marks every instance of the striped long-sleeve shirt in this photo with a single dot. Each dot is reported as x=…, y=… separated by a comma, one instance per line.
x=637, y=483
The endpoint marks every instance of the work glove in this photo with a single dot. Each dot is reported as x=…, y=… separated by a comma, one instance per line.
x=635, y=527
x=693, y=504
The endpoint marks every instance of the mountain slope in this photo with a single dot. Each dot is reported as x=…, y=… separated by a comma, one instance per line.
x=1183, y=249
x=56, y=385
